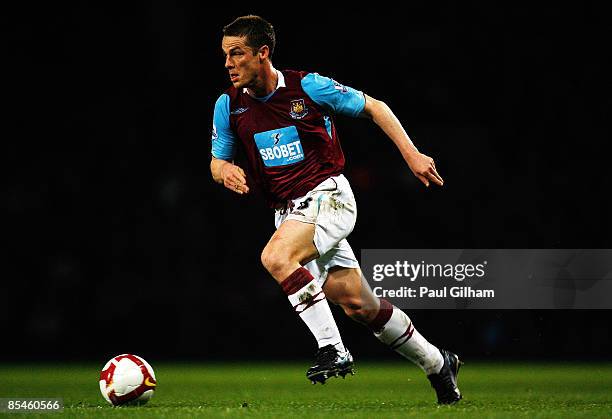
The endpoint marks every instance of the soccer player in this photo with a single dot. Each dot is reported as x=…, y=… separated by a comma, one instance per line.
x=284, y=122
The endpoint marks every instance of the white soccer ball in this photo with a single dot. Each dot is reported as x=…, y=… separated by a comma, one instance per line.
x=127, y=379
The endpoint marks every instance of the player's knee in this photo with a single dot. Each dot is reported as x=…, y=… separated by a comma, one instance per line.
x=354, y=308
x=272, y=261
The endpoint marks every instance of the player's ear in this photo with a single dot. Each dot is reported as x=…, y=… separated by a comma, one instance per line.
x=264, y=52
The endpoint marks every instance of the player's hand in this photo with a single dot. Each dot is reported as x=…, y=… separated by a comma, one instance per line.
x=424, y=168
x=234, y=178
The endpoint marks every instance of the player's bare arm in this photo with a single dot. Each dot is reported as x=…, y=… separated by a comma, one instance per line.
x=230, y=175
x=423, y=166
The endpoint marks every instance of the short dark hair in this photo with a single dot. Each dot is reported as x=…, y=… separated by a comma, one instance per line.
x=258, y=32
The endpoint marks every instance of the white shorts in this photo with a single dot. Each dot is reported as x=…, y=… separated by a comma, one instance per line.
x=331, y=207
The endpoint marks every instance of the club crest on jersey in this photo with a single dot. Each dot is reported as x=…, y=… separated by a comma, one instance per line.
x=298, y=109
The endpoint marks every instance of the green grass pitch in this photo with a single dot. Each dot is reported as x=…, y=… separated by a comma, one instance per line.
x=384, y=390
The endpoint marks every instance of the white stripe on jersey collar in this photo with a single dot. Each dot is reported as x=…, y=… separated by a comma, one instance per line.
x=280, y=83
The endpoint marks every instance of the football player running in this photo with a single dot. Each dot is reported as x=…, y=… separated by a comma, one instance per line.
x=284, y=122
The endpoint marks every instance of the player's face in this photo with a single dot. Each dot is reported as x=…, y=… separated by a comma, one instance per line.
x=242, y=65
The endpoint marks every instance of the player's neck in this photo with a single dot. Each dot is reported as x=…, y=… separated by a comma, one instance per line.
x=266, y=83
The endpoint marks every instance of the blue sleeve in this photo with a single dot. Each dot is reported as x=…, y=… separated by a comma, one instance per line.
x=223, y=139
x=333, y=96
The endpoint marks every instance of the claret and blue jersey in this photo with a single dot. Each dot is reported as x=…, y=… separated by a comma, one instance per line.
x=289, y=136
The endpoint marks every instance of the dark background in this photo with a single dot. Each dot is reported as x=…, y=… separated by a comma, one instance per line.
x=117, y=240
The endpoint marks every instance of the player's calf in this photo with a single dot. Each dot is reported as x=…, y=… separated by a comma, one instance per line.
x=395, y=329
x=309, y=302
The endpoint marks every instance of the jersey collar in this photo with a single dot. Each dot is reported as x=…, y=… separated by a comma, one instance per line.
x=280, y=83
